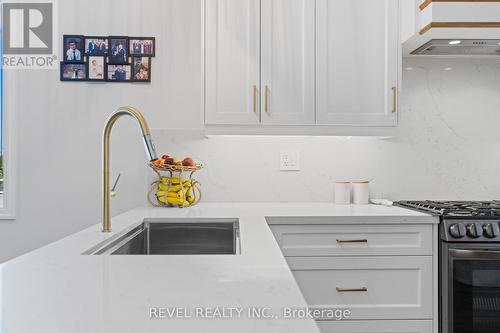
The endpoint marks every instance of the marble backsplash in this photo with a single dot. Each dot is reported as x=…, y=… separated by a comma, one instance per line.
x=447, y=146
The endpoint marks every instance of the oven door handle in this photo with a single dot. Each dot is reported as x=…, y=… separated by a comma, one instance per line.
x=474, y=254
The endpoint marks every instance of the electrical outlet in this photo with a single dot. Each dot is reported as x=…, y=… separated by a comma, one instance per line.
x=289, y=160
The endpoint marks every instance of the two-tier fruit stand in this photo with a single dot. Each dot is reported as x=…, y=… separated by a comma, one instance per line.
x=175, y=189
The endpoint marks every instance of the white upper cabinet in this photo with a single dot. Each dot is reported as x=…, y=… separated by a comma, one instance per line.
x=288, y=62
x=302, y=62
x=232, y=53
x=357, y=62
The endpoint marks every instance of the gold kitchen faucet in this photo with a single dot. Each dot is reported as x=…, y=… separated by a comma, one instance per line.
x=106, y=192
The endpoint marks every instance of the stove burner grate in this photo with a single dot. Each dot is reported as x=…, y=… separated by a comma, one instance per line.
x=482, y=209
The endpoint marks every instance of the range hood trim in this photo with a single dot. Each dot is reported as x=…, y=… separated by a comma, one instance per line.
x=473, y=25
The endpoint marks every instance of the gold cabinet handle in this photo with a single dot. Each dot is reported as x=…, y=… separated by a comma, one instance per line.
x=351, y=290
x=266, y=101
x=344, y=241
x=255, y=93
x=394, y=99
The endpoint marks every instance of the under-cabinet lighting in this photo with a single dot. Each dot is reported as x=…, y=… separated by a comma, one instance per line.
x=455, y=42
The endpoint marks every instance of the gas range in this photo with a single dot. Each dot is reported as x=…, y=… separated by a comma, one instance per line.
x=469, y=263
x=463, y=221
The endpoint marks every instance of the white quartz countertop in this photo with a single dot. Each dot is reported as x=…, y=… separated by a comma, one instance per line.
x=58, y=289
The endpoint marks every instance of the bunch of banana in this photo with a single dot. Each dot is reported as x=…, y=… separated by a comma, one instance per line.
x=170, y=191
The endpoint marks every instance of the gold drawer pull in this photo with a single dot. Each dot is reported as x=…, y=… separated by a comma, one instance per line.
x=394, y=99
x=345, y=241
x=349, y=290
x=266, y=101
x=255, y=93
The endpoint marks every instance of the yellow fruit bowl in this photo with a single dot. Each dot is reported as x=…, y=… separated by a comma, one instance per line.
x=172, y=189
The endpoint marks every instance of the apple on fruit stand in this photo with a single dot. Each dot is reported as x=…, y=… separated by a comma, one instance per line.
x=188, y=161
x=168, y=160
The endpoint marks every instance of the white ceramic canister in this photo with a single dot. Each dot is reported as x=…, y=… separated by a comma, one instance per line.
x=342, y=192
x=361, y=192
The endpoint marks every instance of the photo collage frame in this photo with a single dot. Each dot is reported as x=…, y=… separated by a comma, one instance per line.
x=107, y=58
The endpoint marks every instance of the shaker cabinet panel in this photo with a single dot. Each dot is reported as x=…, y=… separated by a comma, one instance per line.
x=357, y=62
x=354, y=240
x=232, y=61
x=288, y=62
x=371, y=288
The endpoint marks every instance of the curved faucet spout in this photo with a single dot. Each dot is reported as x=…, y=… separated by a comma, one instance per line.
x=146, y=135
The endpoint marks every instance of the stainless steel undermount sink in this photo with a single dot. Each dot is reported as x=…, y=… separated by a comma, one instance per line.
x=175, y=237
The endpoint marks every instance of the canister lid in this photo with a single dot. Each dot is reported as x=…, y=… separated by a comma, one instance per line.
x=360, y=181
x=342, y=182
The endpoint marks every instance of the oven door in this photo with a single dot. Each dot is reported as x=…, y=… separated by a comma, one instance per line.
x=472, y=294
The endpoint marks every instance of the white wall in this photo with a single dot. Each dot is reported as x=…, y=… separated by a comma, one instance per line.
x=447, y=144
x=59, y=124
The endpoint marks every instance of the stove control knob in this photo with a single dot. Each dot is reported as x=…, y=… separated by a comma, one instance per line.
x=457, y=230
x=491, y=230
x=474, y=230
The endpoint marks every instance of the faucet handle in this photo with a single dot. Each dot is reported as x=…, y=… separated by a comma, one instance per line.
x=113, y=190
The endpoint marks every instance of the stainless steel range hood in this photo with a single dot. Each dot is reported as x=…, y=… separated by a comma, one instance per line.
x=482, y=47
x=451, y=28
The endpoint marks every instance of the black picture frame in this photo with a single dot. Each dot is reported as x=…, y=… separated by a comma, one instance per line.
x=98, y=52
x=79, y=40
x=112, y=67
x=112, y=44
x=83, y=68
x=136, y=69
x=90, y=67
x=134, y=52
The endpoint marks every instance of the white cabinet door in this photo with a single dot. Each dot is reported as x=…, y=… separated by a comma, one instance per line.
x=357, y=62
x=232, y=61
x=288, y=62
x=370, y=287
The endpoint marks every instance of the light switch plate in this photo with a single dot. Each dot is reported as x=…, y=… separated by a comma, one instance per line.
x=289, y=160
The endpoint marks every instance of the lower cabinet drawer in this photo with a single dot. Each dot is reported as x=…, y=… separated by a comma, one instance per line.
x=376, y=326
x=354, y=240
x=370, y=287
